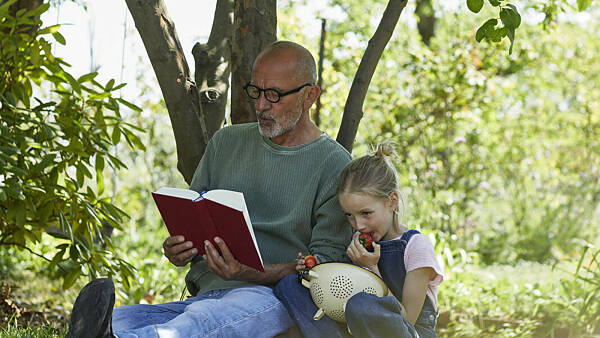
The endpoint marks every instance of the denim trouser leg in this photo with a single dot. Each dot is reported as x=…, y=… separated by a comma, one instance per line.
x=371, y=316
x=242, y=312
x=296, y=299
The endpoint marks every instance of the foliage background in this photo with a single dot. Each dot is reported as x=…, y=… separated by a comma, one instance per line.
x=498, y=154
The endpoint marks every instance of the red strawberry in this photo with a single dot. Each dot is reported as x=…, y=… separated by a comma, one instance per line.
x=310, y=261
x=366, y=240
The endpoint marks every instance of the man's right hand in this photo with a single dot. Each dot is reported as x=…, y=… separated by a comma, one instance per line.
x=178, y=251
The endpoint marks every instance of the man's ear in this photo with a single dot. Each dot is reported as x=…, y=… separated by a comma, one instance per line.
x=393, y=200
x=312, y=93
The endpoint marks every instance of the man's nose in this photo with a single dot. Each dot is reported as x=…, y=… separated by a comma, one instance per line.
x=262, y=103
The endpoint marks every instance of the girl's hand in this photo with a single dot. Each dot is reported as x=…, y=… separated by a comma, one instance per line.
x=360, y=256
x=301, y=263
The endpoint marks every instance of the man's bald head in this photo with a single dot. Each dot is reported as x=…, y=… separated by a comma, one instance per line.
x=305, y=63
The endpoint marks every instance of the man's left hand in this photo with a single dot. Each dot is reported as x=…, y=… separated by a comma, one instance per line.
x=224, y=264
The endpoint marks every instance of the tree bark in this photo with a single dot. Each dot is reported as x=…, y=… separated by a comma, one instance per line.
x=426, y=20
x=353, y=109
x=179, y=90
x=213, y=66
x=317, y=114
x=255, y=27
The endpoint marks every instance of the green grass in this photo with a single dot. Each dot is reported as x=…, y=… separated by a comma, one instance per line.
x=13, y=329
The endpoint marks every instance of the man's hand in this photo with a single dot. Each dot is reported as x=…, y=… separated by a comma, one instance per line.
x=178, y=251
x=229, y=268
x=224, y=264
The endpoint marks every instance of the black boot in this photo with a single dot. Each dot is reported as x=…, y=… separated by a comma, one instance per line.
x=92, y=311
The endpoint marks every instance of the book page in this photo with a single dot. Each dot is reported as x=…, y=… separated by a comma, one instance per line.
x=178, y=192
x=234, y=200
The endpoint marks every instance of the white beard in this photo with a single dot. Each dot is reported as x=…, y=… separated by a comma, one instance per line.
x=278, y=128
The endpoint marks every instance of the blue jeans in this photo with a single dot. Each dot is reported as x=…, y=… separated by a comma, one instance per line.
x=251, y=311
x=371, y=316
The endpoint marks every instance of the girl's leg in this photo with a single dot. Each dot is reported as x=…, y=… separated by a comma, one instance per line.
x=371, y=316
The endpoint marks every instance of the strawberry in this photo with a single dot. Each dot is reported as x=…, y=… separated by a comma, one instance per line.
x=310, y=261
x=366, y=240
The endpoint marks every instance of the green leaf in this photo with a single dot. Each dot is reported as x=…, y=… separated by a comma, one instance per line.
x=35, y=53
x=134, y=140
x=87, y=77
x=45, y=212
x=130, y=105
x=109, y=85
x=47, y=51
x=511, y=36
x=38, y=11
x=119, y=86
x=486, y=30
x=99, y=163
x=74, y=84
x=12, y=100
x=17, y=90
x=475, y=5
x=71, y=277
x=495, y=3
x=582, y=5
x=116, y=134
x=20, y=214
x=49, y=30
x=510, y=17
x=58, y=257
x=4, y=7
x=59, y=38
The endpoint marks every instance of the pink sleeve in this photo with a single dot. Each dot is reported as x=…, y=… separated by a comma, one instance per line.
x=419, y=253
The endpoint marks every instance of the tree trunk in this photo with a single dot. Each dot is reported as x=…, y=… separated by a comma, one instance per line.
x=425, y=20
x=353, y=111
x=179, y=90
x=213, y=66
x=255, y=27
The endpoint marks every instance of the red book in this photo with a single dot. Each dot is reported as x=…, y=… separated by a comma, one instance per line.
x=215, y=213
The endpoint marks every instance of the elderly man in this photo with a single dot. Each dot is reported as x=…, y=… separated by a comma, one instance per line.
x=288, y=170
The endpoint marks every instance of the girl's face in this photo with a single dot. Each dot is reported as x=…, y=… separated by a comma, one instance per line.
x=370, y=214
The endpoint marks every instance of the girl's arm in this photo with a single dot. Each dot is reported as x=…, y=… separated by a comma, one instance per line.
x=414, y=291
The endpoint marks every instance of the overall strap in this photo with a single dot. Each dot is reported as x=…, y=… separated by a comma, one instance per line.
x=407, y=235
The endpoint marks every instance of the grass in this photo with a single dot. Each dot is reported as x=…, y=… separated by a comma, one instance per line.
x=13, y=329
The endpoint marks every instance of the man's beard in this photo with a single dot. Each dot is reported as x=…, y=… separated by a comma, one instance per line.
x=279, y=128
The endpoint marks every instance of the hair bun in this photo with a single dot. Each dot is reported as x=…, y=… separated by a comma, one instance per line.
x=385, y=149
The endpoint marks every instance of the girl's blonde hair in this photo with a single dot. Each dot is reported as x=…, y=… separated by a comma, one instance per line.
x=372, y=174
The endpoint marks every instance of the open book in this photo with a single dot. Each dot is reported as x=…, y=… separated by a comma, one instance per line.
x=215, y=213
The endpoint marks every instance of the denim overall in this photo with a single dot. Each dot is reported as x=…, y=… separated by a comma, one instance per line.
x=366, y=314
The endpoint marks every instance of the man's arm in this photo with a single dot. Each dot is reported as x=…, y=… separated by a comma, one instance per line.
x=229, y=268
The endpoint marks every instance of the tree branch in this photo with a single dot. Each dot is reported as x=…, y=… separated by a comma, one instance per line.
x=31, y=251
x=213, y=66
x=353, y=110
x=179, y=90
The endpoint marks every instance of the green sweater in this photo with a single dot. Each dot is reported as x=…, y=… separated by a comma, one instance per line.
x=290, y=193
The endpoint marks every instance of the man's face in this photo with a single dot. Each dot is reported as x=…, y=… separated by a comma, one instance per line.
x=277, y=119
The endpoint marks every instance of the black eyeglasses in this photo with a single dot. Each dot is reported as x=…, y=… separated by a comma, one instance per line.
x=271, y=94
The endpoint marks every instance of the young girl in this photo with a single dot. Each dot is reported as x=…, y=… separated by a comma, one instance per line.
x=405, y=260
